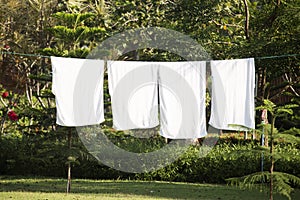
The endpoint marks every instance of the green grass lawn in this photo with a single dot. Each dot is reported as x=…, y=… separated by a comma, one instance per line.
x=49, y=188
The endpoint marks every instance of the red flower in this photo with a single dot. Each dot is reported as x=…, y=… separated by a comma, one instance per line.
x=6, y=47
x=12, y=116
x=5, y=94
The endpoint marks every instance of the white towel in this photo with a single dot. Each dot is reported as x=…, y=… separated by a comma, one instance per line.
x=182, y=99
x=78, y=88
x=233, y=83
x=133, y=90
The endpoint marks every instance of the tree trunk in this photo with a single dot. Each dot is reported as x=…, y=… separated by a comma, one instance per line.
x=246, y=135
x=69, y=163
x=2, y=126
x=274, y=15
x=247, y=14
x=69, y=178
x=253, y=135
x=272, y=157
x=266, y=140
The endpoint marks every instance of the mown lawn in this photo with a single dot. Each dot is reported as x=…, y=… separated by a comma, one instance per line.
x=52, y=189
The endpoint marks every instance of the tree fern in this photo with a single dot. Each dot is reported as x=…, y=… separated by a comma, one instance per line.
x=260, y=180
x=280, y=182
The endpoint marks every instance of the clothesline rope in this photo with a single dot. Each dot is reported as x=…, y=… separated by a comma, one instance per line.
x=43, y=56
x=23, y=54
x=280, y=56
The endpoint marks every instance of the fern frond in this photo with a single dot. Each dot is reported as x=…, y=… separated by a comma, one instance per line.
x=251, y=180
x=293, y=131
x=281, y=182
x=281, y=186
x=290, y=177
x=289, y=106
x=281, y=137
x=281, y=111
x=285, y=156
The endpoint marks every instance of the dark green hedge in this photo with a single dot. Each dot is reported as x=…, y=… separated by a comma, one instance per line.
x=231, y=157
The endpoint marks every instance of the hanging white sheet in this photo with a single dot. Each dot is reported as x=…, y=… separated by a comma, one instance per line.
x=78, y=88
x=233, y=83
x=182, y=87
x=133, y=91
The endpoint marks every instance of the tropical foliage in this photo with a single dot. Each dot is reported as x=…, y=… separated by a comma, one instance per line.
x=29, y=136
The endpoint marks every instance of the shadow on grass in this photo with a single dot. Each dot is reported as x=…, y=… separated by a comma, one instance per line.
x=152, y=189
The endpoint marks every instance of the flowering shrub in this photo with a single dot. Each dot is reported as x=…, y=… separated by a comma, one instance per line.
x=5, y=94
x=6, y=47
x=12, y=115
x=6, y=103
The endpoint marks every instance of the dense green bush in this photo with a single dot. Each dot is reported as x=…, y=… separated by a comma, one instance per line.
x=41, y=155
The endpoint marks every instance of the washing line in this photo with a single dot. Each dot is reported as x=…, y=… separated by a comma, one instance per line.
x=280, y=56
x=43, y=56
x=23, y=54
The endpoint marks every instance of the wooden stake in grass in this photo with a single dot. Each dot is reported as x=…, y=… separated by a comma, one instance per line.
x=272, y=156
x=69, y=162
